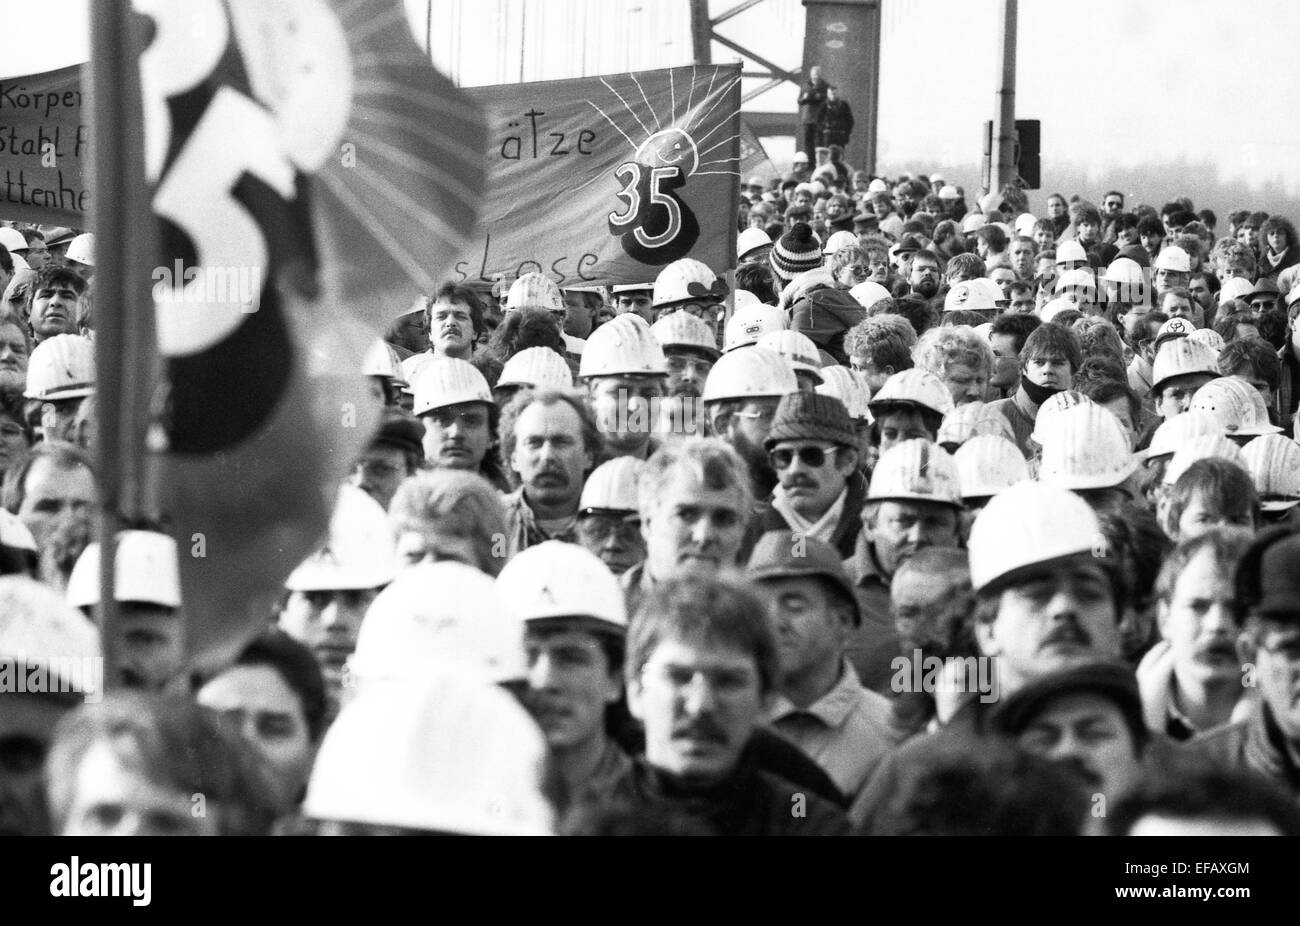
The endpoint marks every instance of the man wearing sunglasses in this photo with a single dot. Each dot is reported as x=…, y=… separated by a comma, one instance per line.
x=609, y=524
x=820, y=490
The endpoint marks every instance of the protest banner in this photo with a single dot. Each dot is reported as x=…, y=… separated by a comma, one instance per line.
x=608, y=179
x=44, y=149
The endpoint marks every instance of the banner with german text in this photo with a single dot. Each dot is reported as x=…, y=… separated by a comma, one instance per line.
x=44, y=148
x=608, y=179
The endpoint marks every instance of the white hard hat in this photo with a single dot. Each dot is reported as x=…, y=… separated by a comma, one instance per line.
x=973, y=223
x=81, y=249
x=61, y=367
x=1086, y=449
x=146, y=570
x=743, y=299
x=877, y=185
x=1293, y=295
x=14, y=533
x=411, y=367
x=1236, y=288
x=1182, y=357
x=445, y=381
x=359, y=552
x=1079, y=277
x=1209, y=337
x=845, y=385
x=1176, y=325
x=841, y=239
x=683, y=280
x=12, y=240
x=750, y=323
x=987, y=464
x=557, y=579
x=970, y=297
x=1174, y=432
x=1025, y=223
x=915, y=470
x=1055, y=307
x=448, y=753
x=1051, y=410
x=535, y=291
x=798, y=350
x=39, y=627
x=682, y=329
x=1202, y=447
x=382, y=360
x=537, y=368
x=913, y=387
x=1070, y=251
x=1029, y=524
x=1173, y=258
x=1274, y=463
x=438, y=614
x=948, y=191
x=612, y=486
x=868, y=293
x=1238, y=406
x=971, y=420
x=754, y=372
x=751, y=239
x=623, y=347
x=1126, y=271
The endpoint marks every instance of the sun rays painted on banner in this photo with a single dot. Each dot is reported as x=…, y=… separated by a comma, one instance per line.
x=653, y=225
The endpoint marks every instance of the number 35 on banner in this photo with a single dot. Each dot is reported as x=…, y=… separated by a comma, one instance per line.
x=655, y=227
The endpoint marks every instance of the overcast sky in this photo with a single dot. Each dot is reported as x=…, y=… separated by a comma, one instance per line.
x=1117, y=83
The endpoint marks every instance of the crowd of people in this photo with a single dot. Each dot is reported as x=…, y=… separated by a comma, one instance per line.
x=925, y=518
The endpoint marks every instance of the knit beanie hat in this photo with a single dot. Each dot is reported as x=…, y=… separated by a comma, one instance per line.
x=811, y=416
x=797, y=251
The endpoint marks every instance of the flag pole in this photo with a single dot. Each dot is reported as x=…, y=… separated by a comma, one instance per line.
x=125, y=356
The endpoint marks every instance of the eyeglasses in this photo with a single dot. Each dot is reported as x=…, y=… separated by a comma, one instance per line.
x=598, y=528
x=766, y=414
x=811, y=456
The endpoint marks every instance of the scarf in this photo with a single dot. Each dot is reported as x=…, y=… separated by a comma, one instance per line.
x=823, y=528
x=1037, y=394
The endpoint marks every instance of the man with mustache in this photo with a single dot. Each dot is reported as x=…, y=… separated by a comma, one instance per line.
x=1047, y=597
x=574, y=625
x=1088, y=718
x=690, y=350
x=740, y=399
x=455, y=321
x=700, y=672
x=454, y=402
x=820, y=705
x=820, y=490
x=551, y=441
x=1192, y=680
x=1267, y=742
x=913, y=502
x=52, y=306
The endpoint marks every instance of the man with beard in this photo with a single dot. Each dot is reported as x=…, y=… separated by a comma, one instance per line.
x=331, y=590
x=574, y=624
x=820, y=705
x=1191, y=679
x=1267, y=741
x=609, y=524
x=1048, y=362
x=147, y=644
x=913, y=502
x=53, y=302
x=690, y=350
x=820, y=490
x=551, y=441
x=1044, y=601
x=625, y=371
x=1088, y=718
x=453, y=401
x=740, y=399
x=53, y=493
x=36, y=625
x=923, y=281
x=700, y=674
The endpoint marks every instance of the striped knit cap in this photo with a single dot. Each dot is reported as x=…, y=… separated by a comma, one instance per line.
x=796, y=252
